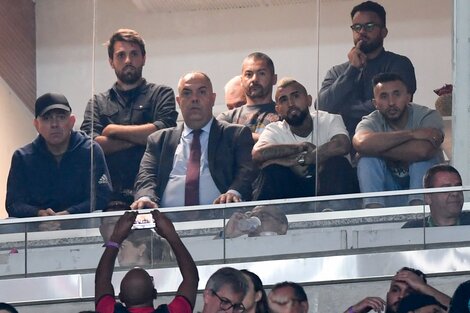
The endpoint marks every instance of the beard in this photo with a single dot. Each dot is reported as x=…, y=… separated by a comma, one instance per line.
x=393, y=117
x=368, y=47
x=258, y=92
x=129, y=75
x=295, y=119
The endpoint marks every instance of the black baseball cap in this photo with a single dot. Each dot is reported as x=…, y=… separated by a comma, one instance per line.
x=50, y=101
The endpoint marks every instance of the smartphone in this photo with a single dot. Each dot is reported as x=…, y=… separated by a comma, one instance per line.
x=144, y=221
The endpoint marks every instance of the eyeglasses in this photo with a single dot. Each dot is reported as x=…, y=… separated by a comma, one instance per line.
x=368, y=27
x=226, y=304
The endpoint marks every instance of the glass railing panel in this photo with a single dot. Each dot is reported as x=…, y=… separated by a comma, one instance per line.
x=215, y=234
x=13, y=249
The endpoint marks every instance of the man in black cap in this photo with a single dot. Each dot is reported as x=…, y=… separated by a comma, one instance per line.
x=51, y=175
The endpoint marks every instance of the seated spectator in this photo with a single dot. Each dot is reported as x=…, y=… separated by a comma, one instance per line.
x=419, y=303
x=405, y=282
x=255, y=300
x=397, y=143
x=137, y=290
x=288, y=297
x=258, y=78
x=290, y=152
x=225, y=291
x=207, y=152
x=51, y=175
x=269, y=220
x=445, y=207
x=461, y=299
x=7, y=308
x=234, y=93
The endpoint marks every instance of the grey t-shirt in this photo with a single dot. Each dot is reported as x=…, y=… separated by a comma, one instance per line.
x=418, y=117
x=256, y=117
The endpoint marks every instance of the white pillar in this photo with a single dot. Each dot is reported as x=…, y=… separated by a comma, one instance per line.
x=461, y=93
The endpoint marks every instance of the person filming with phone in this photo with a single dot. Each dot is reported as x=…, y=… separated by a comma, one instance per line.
x=137, y=291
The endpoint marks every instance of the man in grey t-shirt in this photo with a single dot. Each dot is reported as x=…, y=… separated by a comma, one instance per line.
x=258, y=78
x=397, y=143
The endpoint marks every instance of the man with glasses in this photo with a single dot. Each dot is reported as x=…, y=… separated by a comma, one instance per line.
x=225, y=291
x=347, y=87
x=288, y=297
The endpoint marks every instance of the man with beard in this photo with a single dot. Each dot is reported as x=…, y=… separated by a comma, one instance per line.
x=258, y=78
x=397, y=143
x=346, y=89
x=446, y=207
x=405, y=282
x=121, y=118
x=292, y=152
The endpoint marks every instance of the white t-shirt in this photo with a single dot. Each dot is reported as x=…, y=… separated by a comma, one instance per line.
x=325, y=127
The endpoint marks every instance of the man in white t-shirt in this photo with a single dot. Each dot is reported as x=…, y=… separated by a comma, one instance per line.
x=292, y=152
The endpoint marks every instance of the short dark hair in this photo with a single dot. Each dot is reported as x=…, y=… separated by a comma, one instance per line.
x=261, y=56
x=387, y=77
x=126, y=35
x=428, y=179
x=371, y=6
x=262, y=305
x=460, y=299
x=299, y=291
x=228, y=276
x=414, y=271
x=7, y=307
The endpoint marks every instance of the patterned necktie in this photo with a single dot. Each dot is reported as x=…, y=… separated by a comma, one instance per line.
x=191, y=192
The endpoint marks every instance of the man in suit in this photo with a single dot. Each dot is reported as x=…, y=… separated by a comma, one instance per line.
x=221, y=151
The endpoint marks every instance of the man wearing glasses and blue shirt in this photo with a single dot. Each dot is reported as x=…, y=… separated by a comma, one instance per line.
x=347, y=87
x=225, y=291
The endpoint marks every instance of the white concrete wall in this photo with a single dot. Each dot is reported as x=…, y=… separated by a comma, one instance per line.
x=217, y=41
x=16, y=127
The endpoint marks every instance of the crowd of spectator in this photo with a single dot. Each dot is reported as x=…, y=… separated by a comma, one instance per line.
x=365, y=134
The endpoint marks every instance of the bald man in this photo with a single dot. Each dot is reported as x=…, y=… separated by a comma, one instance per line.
x=234, y=93
x=226, y=168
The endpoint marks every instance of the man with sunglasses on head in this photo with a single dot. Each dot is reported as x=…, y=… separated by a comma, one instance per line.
x=347, y=88
x=225, y=291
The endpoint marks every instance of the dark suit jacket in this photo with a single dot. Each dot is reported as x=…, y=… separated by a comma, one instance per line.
x=229, y=153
